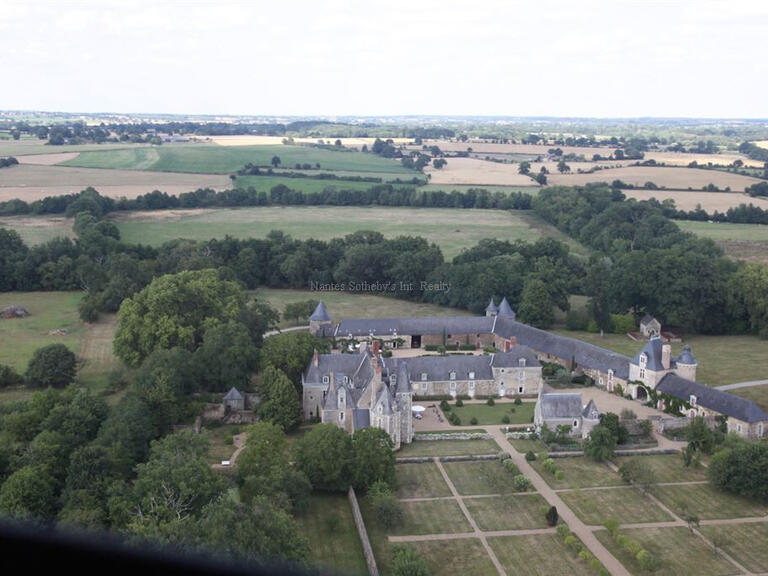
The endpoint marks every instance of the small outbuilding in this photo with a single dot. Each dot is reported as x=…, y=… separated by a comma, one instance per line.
x=650, y=327
x=234, y=400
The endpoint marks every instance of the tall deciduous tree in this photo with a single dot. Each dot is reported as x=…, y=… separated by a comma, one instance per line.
x=536, y=305
x=52, y=365
x=227, y=357
x=280, y=404
x=323, y=455
x=372, y=458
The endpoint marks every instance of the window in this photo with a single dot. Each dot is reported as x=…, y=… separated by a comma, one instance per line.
x=760, y=430
x=341, y=416
x=521, y=389
x=610, y=375
x=415, y=385
x=346, y=379
x=471, y=385
x=692, y=400
x=453, y=385
x=325, y=379
x=642, y=373
x=423, y=376
x=393, y=378
x=379, y=410
x=575, y=423
x=453, y=375
x=738, y=428
x=643, y=360
x=471, y=375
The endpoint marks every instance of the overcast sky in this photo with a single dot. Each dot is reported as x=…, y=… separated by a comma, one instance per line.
x=483, y=57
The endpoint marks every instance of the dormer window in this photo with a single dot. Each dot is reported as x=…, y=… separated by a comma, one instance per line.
x=471, y=375
x=643, y=360
x=692, y=400
x=453, y=375
x=325, y=380
x=379, y=410
x=423, y=376
x=346, y=379
x=393, y=379
x=521, y=363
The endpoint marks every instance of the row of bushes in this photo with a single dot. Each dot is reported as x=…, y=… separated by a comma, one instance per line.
x=645, y=559
x=581, y=551
x=520, y=482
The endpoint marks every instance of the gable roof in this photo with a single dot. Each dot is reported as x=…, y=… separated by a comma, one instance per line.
x=403, y=382
x=712, y=399
x=511, y=358
x=647, y=319
x=234, y=394
x=320, y=313
x=384, y=400
x=590, y=411
x=410, y=326
x=560, y=405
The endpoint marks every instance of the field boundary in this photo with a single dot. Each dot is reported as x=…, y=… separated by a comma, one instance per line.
x=370, y=559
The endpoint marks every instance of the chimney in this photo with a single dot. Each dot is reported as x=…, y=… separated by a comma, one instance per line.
x=376, y=383
x=375, y=350
x=512, y=342
x=666, y=356
x=315, y=359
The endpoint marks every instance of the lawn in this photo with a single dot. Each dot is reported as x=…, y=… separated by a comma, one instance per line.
x=536, y=555
x=722, y=359
x=668, y=468
x=512, y=512
x=522, y=414
x=680, y=552
x=332, y=534
x=626, y=505
x=221, y=445
x=746, y=543
x=523, y=446
x=342, y=305
x=432, y=517
x=479, y=477
x=453, y=557
x=420, y=481
x=228, y=159
x=722, y=231
x=448, y=448
x=579, y=472
x=38, y=230
x=758, y=394
x=707, y=502
x=452, y=229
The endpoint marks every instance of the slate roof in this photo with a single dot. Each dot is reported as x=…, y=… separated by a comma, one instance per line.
x=590, y=411
x=492, y=307
x=559, y=405
x=511, y=358
x=410, y=326
x=403, y=382
x=320, y=313
x=652, y=349
x=385, y=401
x=686, y=357
x=712, y=399
x=361, y=418
x=234, y=394
x=647, y=319
x=344, y=364
x=505, y=309
x=585, y=354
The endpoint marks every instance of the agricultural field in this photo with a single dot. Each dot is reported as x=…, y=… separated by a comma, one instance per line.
x=257, y=140
x=34, y=146
x=343, y=305
x=667, y=177
x=530, y=190
x=522, y=414
x=31, y=182
x=333, y=540
x=478, y=173
x=688, y=200
x=722, y=359
x=229, y=159
x=453, y=230
x=306, y=185
x=740, y=241
x=39, y=229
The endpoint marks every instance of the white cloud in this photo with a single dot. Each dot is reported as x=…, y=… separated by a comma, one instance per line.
x=530, y=57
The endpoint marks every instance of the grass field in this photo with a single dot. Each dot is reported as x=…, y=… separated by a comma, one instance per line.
x=680, y=552
x=518, y=512
x=739, y=541
x=479, y=477
x=579, y=472
x=453, y=230
x=707, y=502
x=228, y=159
x=522, y=414
x=740, y=241
x=536, y=555
x=432, y=517
x=35, y=146
x=627, y=505
x=342, y=305
x=220, y=440
x=40, y=229
x=668, y=468
x=307, y=185
x=523, y=446
x=448, y=448
x=758, y=394
x=722, y=359
x=709, y=201
x=420, y=481
x=450, y=558
x=333, y=540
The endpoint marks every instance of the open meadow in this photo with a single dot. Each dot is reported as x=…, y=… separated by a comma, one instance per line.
x=690, y=200
x=36, y=230
x=740, y=241
x=453, y=230
x=229, y=159
x=479, y=172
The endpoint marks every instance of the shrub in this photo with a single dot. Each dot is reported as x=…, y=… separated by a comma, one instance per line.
x=530, y=456
x=491, y=401
x=407, y=561
x=571, y=541
x=9, y=377
x=503, y=456
x=511, y=467
x=459, y=402
x=559, y=475
x=623, y=323
x=521, y=483
x=563, y=530
x=518, y=401
x=385, y=505
x=612, y=525
x=550, y=466
x=552, y=516
x=647, y=561
x=628, y=414
x=505, y=419
x=473, y=421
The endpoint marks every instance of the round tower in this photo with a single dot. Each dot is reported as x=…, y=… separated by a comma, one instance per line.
x=319, y=319
x=686, y=364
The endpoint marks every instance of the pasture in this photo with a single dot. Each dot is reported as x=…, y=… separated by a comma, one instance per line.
x=39, y=229
x=342, y=305
x=672, y=178
x=306, y=185
x=31, y=182
x=228, y=159
x=722, y=359
x=478, y=173
x=709, y=201
x=740, y=241
x=453, y=230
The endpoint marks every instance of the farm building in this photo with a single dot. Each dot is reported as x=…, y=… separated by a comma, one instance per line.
x=649, y=326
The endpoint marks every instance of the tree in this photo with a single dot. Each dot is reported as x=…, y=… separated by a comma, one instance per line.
x=175, y=310
x=29, y=493
x=291, y=352
x=226, y=358
x=562, y=167
x=90, y=474
x=275, y=161
x=636, y=471
x=127, y=432
x=53, y=365
x=9, y=377
x=299, y=312
x=600, y=444
x=552, y=516
x=524, y=168
x=536, y=305
x=741, y=469
x=372, y=458
x=407, y=561
x=701, y=438
x=386, y=507
x=323, y=455
x=280, y=404
x=614, y=424
x=598, y=287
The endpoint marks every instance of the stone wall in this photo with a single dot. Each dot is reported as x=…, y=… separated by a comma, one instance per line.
x=370, y=560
